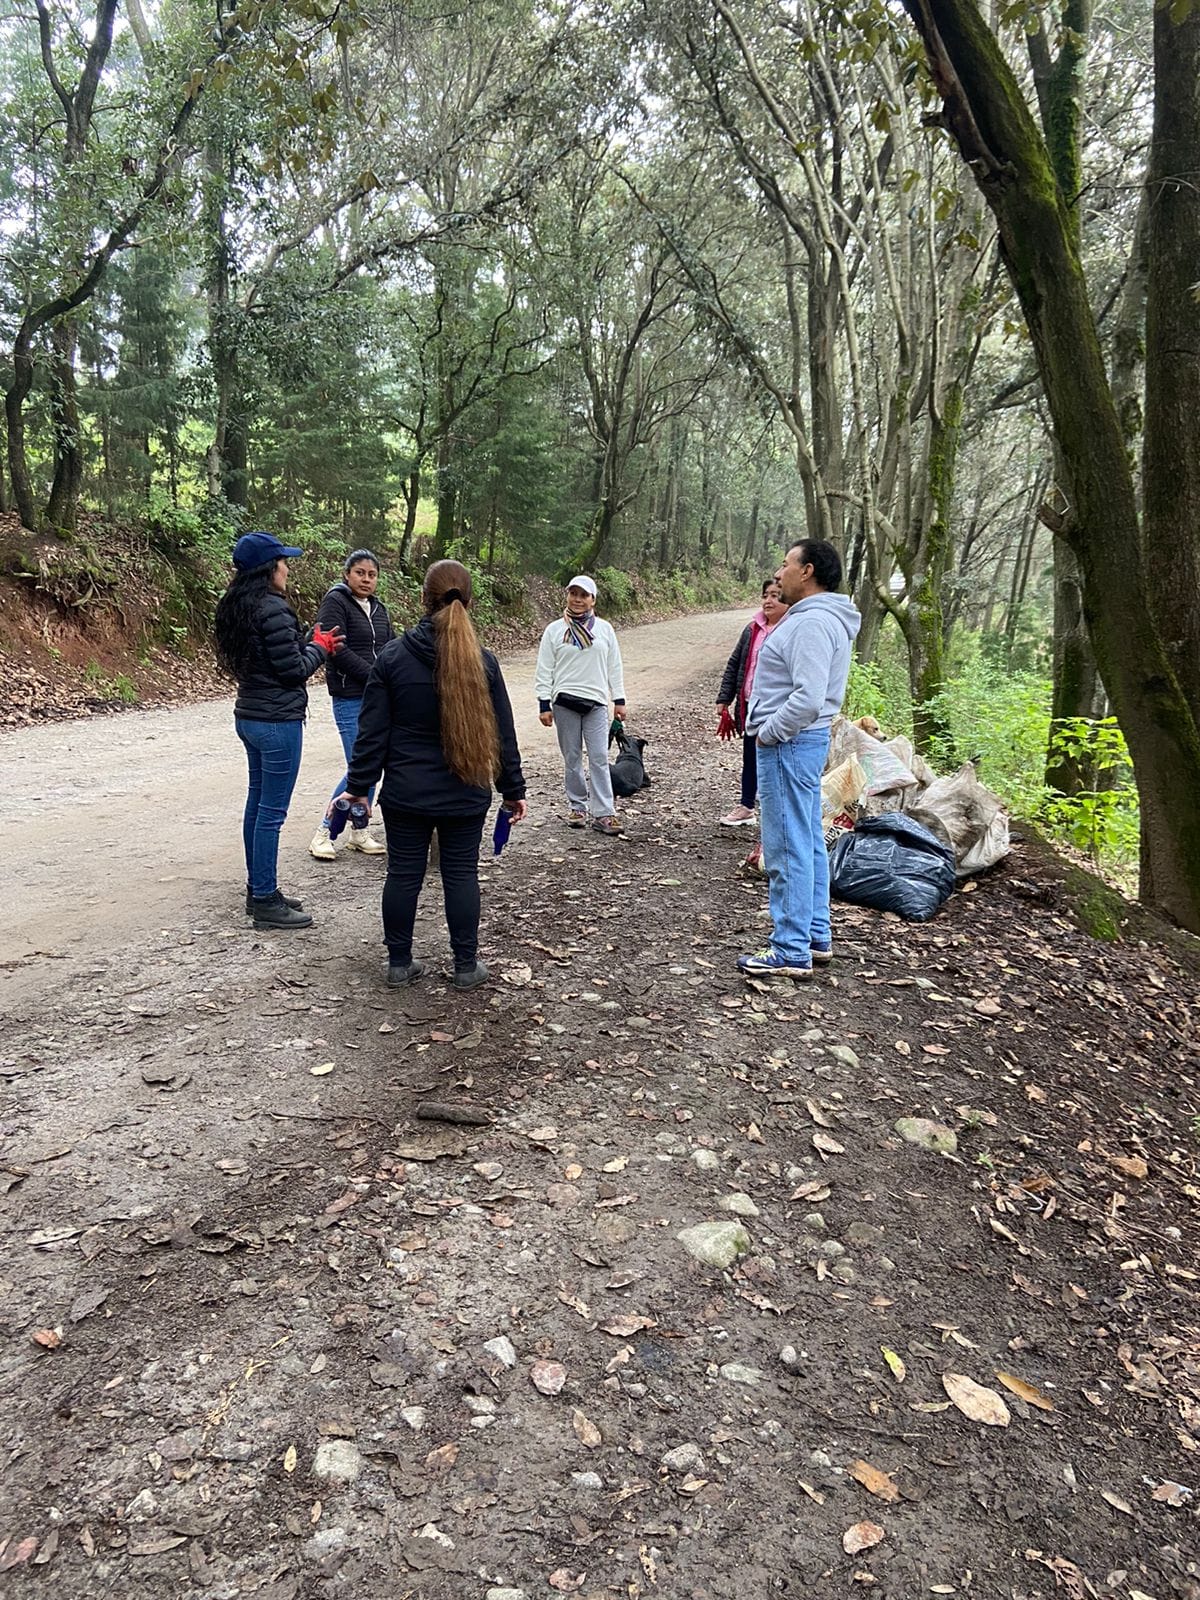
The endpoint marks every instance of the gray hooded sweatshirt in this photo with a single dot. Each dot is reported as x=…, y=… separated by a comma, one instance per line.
x=800, y=679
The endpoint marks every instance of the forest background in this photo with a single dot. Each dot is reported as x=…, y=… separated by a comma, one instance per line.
x=648, y=289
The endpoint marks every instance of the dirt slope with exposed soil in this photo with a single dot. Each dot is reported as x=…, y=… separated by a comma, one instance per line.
x=310, y=1345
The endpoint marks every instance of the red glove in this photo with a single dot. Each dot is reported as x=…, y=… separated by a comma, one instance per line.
x=327, y=641
x=726, y=727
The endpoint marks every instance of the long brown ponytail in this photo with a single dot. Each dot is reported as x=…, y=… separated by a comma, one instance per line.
x=470, y=740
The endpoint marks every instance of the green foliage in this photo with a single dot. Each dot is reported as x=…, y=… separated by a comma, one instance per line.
x=615, y=590
x=1102, y=821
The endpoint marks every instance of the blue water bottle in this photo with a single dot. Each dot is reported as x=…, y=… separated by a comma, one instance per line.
x=343, y=812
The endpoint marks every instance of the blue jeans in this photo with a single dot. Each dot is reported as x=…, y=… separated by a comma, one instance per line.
x=789, y=797
x=273, y=751
x=345, y=715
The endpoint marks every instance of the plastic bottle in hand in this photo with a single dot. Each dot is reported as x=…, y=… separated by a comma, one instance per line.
x=343, y=812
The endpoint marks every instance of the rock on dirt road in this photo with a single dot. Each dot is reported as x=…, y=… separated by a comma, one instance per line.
x=266, y=1332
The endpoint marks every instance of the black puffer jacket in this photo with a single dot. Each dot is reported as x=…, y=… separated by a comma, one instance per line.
x=400, y=735
x=271, y=686
x=346, y=673
x=730, y=692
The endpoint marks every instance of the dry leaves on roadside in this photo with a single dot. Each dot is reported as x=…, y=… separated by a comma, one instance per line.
x=586, y=1432
x=565, y=1581
x=975, y=1401
x=1025, y=1391
x=874, y=1480
x=861, y=1536
x=48, y=1338
x=289, y=1458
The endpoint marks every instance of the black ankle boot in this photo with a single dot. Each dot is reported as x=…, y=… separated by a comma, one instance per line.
x=274, y=912
x=296, y=905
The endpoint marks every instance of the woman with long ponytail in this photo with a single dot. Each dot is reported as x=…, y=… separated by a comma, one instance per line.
x=437, y=723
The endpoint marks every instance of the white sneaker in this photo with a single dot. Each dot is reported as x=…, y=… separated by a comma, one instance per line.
x=322, y=846
x=361, y=839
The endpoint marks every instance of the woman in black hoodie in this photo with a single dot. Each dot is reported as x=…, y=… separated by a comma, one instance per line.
x=261, y=645
x=436, y=721
x=352, y=606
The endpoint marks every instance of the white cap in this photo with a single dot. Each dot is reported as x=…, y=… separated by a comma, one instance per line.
x=588, y=585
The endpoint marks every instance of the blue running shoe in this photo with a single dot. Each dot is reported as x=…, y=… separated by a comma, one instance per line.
x=769, y=963
x=822, y=954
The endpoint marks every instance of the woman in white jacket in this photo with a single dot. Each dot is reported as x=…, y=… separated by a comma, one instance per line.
x=578, y=674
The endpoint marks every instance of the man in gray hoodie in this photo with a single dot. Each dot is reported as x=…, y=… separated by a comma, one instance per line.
x=798, y=690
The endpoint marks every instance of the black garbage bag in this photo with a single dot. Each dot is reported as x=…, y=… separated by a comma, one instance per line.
x=892, y=863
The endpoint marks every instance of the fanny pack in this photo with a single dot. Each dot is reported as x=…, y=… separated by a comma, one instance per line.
x=572, y=702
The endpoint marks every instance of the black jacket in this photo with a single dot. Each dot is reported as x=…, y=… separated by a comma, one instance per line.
x=730, y=692
x=347, y=672
x=271, y=687
x=400, y=734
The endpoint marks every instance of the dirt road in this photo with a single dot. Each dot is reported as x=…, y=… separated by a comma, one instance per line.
x=315, y=1290
x=139, y=813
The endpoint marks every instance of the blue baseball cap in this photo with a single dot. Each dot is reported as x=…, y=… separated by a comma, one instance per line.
x=256, y=549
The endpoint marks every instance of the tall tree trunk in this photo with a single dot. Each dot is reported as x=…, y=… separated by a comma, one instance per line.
x=990, y=121
x=63, y=504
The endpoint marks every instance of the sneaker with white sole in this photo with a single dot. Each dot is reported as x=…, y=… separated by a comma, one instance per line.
x=822, y=954
x=577, y=819
x=769, y=963
x=363, y=840
x=322, y=846
x=739, y=817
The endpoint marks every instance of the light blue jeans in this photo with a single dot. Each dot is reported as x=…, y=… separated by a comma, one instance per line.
x=273, y=753
x=789, y=798
x=345, y=716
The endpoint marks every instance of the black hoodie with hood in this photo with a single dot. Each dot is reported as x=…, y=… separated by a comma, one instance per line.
x=347, y=672
x=400, y=735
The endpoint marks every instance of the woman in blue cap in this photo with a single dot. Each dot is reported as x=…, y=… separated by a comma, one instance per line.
x=261, y=645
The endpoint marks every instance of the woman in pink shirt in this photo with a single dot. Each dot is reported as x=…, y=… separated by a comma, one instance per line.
x=734, y=696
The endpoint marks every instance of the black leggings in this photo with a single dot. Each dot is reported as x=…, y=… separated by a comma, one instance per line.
x=749, y=770
x=408, y=838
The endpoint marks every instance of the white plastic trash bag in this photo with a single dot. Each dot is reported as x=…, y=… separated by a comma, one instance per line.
x=883, y=768
x=967, y=815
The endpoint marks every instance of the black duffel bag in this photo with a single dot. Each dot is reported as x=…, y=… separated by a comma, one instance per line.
x=892, y=863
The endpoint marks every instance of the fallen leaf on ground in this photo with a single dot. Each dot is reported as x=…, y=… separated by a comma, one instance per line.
x=86, y=1303
x=443, y=1458
x=975, y=1401
x=874, y=1480
x=1026, y=1391
x=622, y=1327
x=1131, y=1166
x=861, y=1536
x=321, y=1071
x=814, y=1189
x=15, y=1555
x=548, y=1377
x=617, y=1164
x=827, y=1145
x=564, y=1581
x=898, y=1370
x=48, y=1338
x=1172, y=1494
x=289, y=1458
x=586, y=1432
x=1116, y=1502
